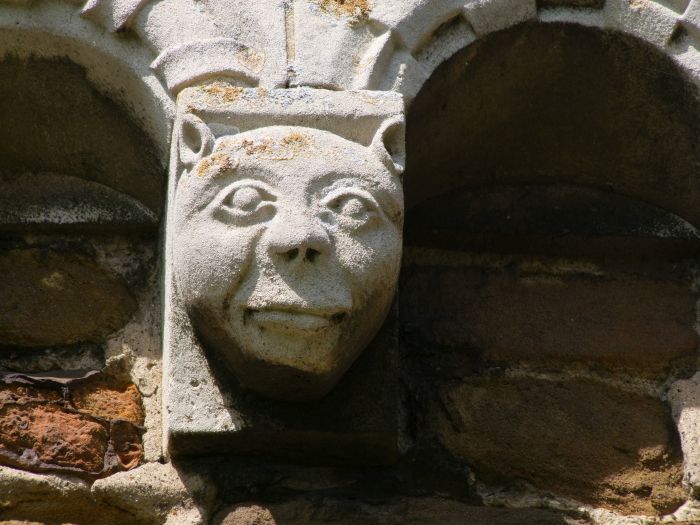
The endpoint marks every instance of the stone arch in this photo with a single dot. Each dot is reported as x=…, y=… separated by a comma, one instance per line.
x=117, y=65
x=104, y=115
x=87, y=111
x=427, y=33
x=608, y=111
x=143, y=53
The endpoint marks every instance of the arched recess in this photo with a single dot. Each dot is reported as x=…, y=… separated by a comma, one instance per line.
x=414, y=42
x=117, y=64
x=552, y=194
x=555, y=104
x=82, y=105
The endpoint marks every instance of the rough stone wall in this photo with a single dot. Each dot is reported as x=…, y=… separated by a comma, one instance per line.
x=538, y=365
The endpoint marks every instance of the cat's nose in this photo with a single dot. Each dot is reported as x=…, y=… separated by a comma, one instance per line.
x=295, y=238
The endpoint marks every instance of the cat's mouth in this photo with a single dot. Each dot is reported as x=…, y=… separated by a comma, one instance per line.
x=295, y=318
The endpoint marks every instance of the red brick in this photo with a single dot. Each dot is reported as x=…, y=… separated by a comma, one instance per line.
x=49, y=435
x=108, y=400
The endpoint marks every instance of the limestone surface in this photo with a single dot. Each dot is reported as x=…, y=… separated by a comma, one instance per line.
x=157, y=493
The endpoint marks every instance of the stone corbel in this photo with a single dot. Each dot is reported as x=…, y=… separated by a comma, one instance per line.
x=283, y=252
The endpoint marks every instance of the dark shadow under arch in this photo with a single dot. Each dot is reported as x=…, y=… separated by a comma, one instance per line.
x=543, y=104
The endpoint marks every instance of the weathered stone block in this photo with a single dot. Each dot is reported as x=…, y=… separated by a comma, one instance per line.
x=583, y=440
x=618, y=322
x=486, y=17
x=157, y=493
x=52, y=500
x=53, y=298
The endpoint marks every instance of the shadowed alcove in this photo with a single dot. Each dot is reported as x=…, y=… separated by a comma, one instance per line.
x=605, y=118
x=71, y=156
x=548, y=295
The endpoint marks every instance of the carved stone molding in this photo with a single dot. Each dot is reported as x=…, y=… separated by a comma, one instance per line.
x=389, y=45
x=397, y=44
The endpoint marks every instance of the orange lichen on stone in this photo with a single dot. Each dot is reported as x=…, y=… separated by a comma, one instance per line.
x=255, y=148
x=296, y=142
x=108, y=401
x=356, y=10
x=215, y=164
x=296, y=139
x=221, y=92
x=251, y=59
x=286, y=148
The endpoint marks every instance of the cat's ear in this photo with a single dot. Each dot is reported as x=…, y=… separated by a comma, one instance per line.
x=388, y=144
x=195, y=140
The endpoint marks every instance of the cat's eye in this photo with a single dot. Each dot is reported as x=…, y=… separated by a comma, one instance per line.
x=247, y=201
x=351, y=207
